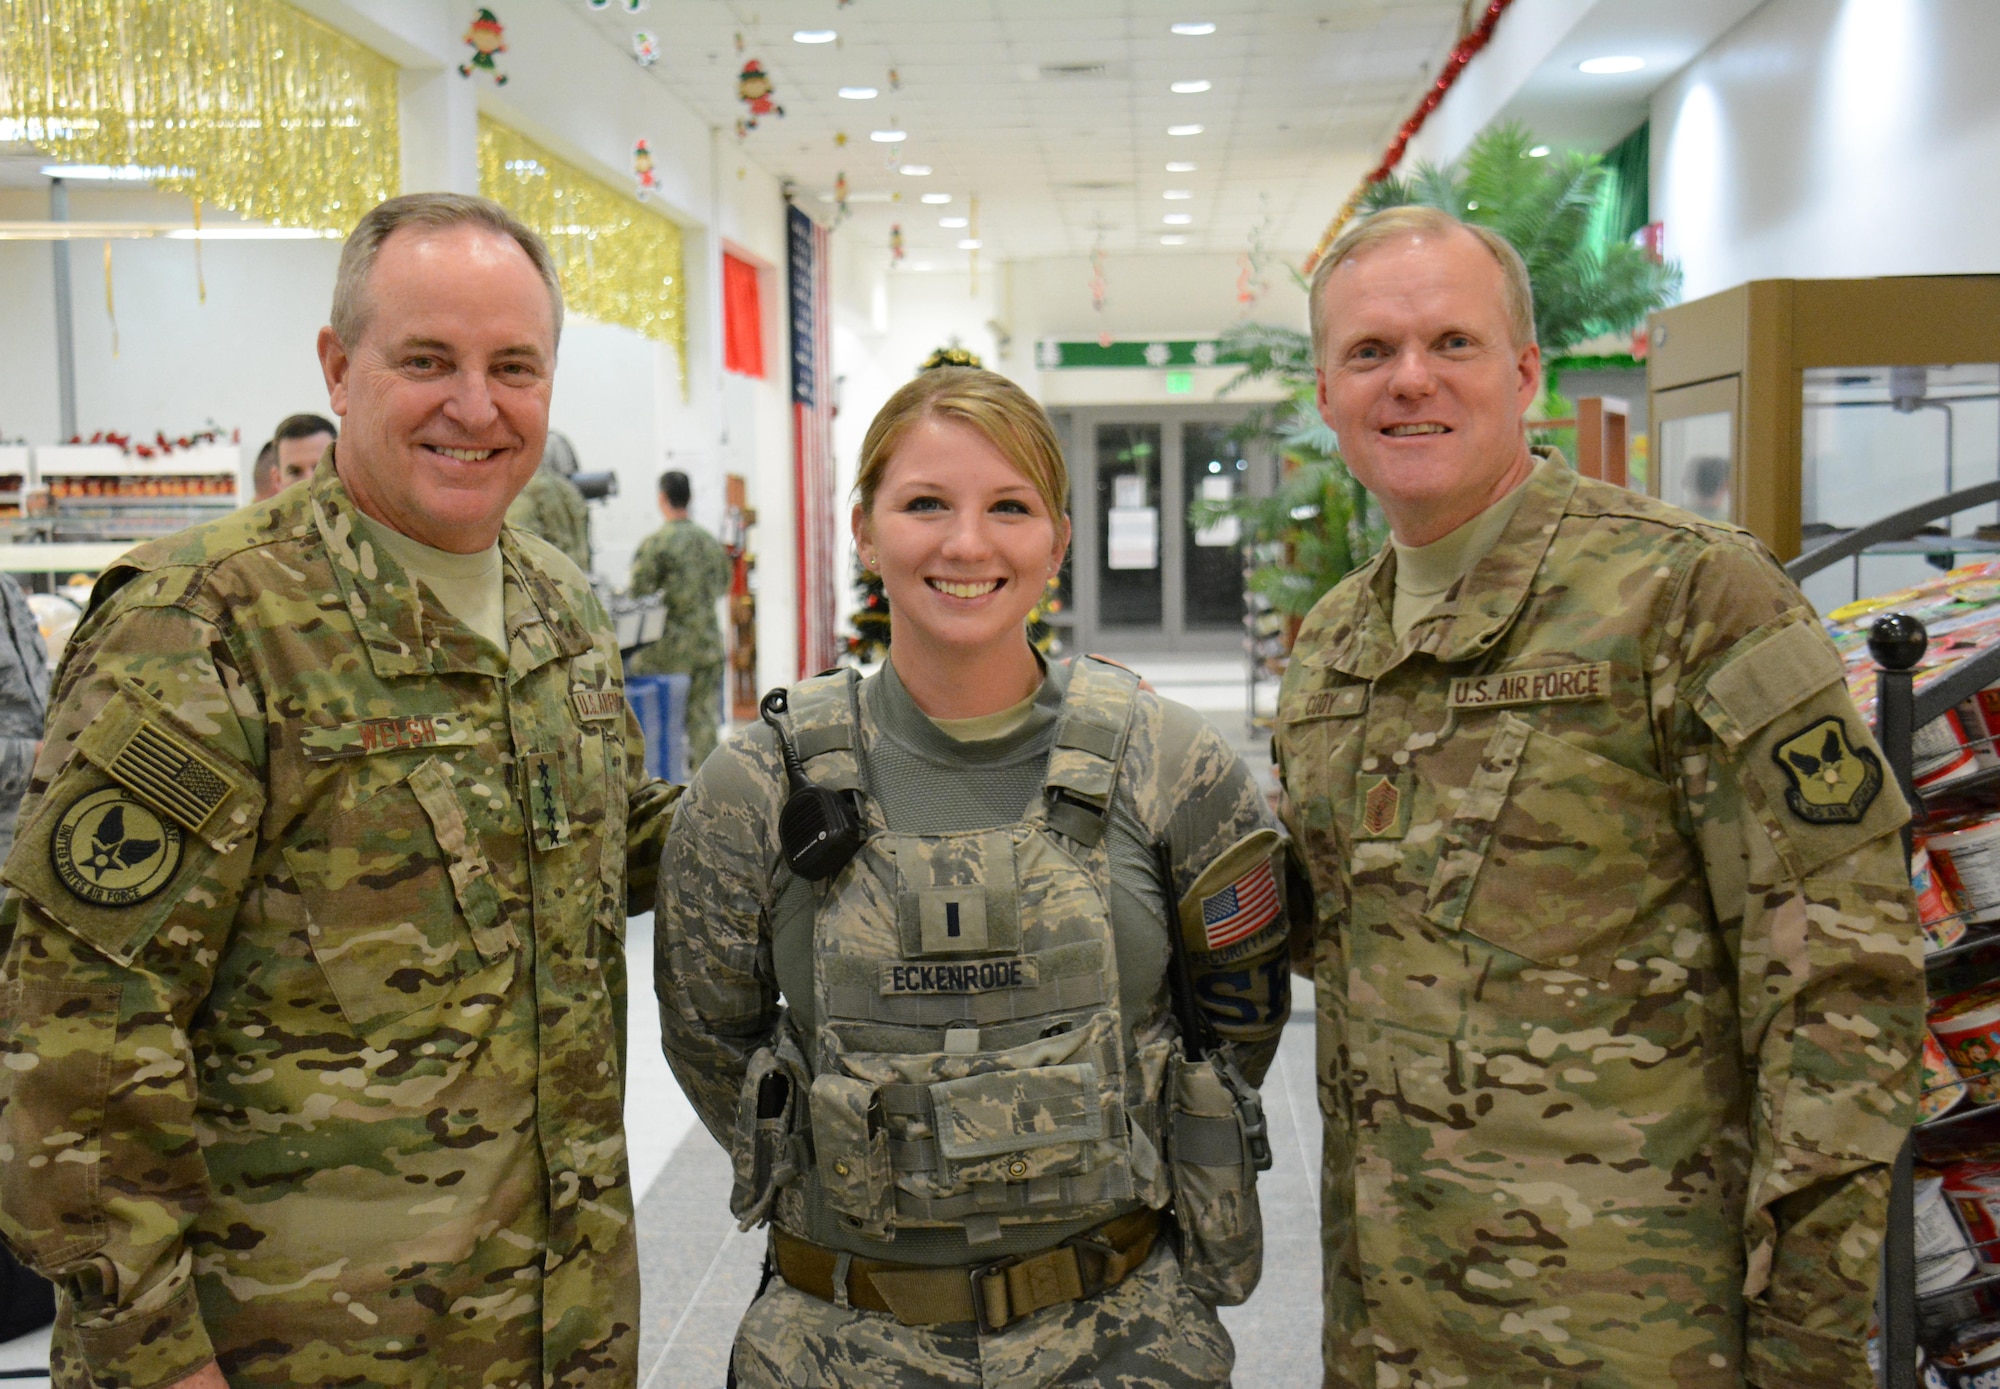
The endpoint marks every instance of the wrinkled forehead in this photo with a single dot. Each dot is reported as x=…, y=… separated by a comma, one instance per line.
x=1415, y=277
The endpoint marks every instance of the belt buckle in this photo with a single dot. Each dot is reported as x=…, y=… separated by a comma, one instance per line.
x=976, y=1274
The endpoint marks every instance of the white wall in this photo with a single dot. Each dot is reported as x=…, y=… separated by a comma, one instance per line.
x=1834, y=138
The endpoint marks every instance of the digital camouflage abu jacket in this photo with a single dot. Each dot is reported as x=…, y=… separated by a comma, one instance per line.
x=310, y=1034
x=1618, y=972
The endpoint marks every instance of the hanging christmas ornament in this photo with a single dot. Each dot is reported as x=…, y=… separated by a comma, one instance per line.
x=634, y=6
x=739, y=43
x=840, y=139
x=895, y=81
x=598, y=4
x=642, y=170
x=840, y=198
x=896, y=244
x=646, y=48
x=753, y=89
x=488, y=43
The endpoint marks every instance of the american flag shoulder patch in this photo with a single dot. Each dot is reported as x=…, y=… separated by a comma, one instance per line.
x=1242, y=908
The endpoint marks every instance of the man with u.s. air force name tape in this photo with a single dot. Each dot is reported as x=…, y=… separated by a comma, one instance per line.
x=310, y=1024
x=1617, y=965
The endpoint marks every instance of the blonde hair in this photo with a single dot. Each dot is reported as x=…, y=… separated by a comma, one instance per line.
x=1003, y=414
x=1517, y=293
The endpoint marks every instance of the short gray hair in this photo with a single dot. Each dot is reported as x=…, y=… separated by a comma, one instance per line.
x=1416, y=220
x=431, y=212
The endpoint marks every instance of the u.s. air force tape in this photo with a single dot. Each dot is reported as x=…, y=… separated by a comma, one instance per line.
x=112, y=851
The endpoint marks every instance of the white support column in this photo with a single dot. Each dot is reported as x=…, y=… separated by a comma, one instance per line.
x=439, y=120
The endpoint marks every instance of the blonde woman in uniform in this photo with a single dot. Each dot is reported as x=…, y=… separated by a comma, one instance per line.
x=928, y=943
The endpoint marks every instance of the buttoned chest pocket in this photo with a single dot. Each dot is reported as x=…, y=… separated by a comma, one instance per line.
x=1318, y=744
x=1549, y=852
x=400, y=900
x=598, y=797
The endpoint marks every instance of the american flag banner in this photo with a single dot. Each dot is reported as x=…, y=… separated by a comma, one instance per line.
x=1242, y=909
x=812, y=441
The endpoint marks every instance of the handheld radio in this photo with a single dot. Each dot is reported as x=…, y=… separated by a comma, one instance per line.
x=818, y=830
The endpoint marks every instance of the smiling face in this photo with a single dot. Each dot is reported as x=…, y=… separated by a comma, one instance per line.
x=445, y=396
x=1422, y=380
x=964, y=543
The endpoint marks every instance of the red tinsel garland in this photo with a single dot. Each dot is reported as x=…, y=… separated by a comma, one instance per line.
x=1481, y=34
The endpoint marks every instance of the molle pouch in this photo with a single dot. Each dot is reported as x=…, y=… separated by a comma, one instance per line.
x=1015, y=1126
x=851, y=1150
x=767, y=1148
x=1215, y=1184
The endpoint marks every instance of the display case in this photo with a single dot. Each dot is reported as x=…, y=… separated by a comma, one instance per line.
x=1803, y=408
x=97, y=492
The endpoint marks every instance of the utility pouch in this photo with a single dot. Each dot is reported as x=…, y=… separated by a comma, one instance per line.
x=851, y=1150
x=1216, y=1145
x=767, y=1150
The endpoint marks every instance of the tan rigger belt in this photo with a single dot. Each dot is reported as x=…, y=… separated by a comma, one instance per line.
x=994, y=1295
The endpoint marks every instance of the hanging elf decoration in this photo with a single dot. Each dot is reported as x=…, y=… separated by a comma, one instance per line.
x=896, y=245
x=642, y=170
x=753, y=89
x=840, y=198
x=488, y=42
x=645, y=48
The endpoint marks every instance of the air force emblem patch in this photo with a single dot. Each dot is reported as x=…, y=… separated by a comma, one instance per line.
x=111, y=851
x=1832, y=781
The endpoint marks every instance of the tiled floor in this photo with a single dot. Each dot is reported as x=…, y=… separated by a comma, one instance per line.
x=697, y=1273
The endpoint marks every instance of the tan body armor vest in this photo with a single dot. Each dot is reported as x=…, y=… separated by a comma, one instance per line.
x=968, y=1066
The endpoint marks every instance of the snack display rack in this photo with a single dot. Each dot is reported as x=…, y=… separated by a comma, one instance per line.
x=1925, y=662
x=71, y=508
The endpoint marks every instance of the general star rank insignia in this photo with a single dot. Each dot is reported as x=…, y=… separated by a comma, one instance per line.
x=1832, y=781
x=111, y=851
x=1383, y=806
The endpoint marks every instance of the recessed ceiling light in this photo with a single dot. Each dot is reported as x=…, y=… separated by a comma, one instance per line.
x=814, y=35
x=1189, y=88
x=1177, y=219
x=1177, y=195
x=117, y=171
x=937, y=199
x=1604, y=67
x=917, y=170
x=969, y=244
x=1180, y=166
x=888, y=137
x=1183, y=130
x=953, y=222
x=1193, y=28
x=1173, y=241
x=859, y=93
x=1539, y=152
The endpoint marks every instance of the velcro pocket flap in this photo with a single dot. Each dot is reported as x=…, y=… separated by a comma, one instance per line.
x=149, y=750
x=1009, y=1111
x=852, y=1148
x=1772, y=675
x=471, y=879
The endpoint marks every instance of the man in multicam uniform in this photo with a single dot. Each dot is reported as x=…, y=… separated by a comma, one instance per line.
x=551, y=507
x=312, y=1007
x=690, y=571
x=1618, y=977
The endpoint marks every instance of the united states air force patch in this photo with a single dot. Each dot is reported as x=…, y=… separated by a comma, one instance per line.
x=111, y=851
x=1832, y=781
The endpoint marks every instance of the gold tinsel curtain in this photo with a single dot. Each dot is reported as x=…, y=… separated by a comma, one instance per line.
x=620, y=263
x=245, y=104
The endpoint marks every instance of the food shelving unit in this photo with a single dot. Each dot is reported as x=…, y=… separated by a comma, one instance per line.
x=1917, y=678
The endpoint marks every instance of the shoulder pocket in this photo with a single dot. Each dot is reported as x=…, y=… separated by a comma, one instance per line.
x=1793, y=740
x=400, y=900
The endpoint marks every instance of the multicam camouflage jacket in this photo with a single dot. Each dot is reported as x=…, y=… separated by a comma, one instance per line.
x=688, y=568
x=1618, y=973
x=550, y=507
x=311, y=1021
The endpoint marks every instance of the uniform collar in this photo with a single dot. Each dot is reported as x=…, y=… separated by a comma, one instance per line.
x=1480, y=608
x=403, y=635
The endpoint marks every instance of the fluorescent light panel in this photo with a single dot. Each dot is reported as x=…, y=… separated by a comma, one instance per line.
x=859, y=93
x=1193, y=28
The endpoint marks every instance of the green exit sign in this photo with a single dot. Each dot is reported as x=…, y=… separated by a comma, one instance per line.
x=1180, y=383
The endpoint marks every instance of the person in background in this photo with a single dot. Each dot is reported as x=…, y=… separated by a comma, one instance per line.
x=27, y=1300
x=962, y=1075
x=551, y=507
x=1619, y=979
x=312, y=980
x=301, y=439
x=264, y=473
x=690, y=571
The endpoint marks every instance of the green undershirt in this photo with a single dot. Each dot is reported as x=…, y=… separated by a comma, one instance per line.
x=1425, y=573
x=469, y=586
